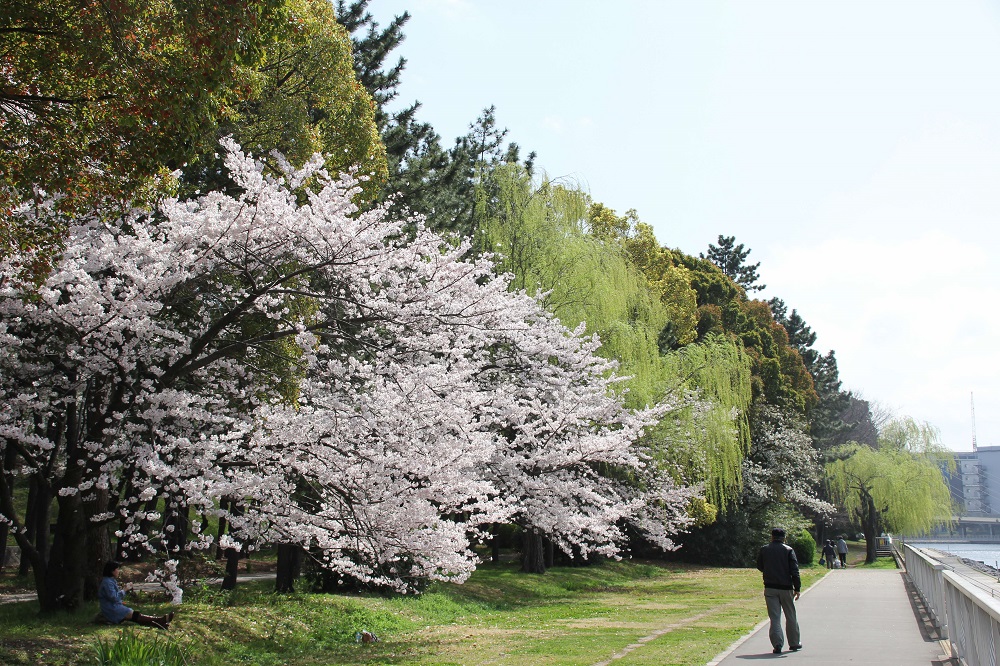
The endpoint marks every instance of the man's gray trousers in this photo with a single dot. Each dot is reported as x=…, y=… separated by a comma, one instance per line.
x=779, y=601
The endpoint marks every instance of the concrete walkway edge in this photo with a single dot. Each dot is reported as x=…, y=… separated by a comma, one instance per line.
x=745, y=637
x=862, y=616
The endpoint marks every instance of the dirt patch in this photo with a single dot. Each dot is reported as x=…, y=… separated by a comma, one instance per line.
x=11, y=583
x=652, y=605
x=55, y=651
x=602, y=622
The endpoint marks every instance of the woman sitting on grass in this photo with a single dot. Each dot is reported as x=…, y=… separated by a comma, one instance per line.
x=114, y=611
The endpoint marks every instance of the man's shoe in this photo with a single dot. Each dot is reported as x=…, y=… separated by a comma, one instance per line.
x=795, y=648
x=776, y=650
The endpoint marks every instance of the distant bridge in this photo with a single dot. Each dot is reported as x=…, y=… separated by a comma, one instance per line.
x=984, y=529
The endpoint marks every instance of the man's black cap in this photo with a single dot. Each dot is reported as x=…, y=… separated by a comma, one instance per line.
x=778, y=534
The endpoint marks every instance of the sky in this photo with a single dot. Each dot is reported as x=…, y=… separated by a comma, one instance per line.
x=853, y=146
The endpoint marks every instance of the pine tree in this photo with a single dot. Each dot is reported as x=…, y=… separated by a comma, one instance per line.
x=424, y=176
x=731, y=258
x=826, y=422
x=827, y=425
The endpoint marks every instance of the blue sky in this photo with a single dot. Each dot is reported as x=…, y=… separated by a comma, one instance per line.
x=853, y=146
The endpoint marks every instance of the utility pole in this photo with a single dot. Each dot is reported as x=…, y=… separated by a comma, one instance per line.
x=972, y=396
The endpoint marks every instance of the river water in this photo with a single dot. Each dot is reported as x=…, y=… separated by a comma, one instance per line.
x=988, y=553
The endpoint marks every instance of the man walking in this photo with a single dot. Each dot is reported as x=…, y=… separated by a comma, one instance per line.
x=829, y=554
x=780, y=567
x=842, y=552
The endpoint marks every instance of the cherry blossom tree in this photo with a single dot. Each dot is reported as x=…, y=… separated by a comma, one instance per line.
x=311, y=373
x=566, y=460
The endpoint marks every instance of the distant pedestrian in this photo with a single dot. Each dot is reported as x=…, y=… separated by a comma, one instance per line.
x=842, y=552
x=114, y=611
x=829, y=554
x=780, y=567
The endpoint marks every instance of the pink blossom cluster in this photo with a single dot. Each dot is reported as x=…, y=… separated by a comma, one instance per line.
x=332, y=377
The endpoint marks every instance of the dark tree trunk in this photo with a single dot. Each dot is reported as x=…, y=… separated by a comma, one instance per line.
x=99, y=551
x=232, y=569
x=533, y=553
x=820, y=534
x=43, y=520
x=495, y=544
x=31, y=559
x=495, y=552
x=289, y=566
x=37, y=532
x=232, y=555
x=99, y=548
x=7, y=468
x=67, y=565
x=3, y=545
x=30, y=523
x=550, y=554
x=138, y=554
x=219, y=550
x=178, y=517
x=871, y=522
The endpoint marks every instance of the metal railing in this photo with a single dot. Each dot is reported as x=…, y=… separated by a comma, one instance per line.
x=926, y=574
x=975, y=621
x=968, y=616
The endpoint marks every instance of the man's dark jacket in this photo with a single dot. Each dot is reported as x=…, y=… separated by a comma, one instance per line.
x=780, y=567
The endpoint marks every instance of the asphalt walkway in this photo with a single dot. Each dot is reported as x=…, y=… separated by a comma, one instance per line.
x=852, y=616
x=26, y=597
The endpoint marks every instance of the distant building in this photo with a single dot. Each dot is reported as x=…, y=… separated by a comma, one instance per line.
x=975, y=491
x=975, y=484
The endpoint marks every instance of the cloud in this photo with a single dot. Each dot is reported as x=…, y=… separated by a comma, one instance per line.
x=450, y=9
x=561, y=125
x=912, y=321
x=554, y=123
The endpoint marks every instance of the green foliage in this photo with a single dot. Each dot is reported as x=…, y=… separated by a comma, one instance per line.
x=708, y=280
x=805, y=547
x=731, y=258
x=668, y=280
x=306, y=99
x=828, y=426
x=423, y=176
x=540, y=232
x=731, y=541
x=719, y=371
x=98, y=99
x=738, y=534
x=779, y=375
x=898, y=487
x=134, y=649
x=101, y=102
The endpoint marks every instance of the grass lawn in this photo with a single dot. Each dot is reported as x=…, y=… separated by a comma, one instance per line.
x=581, y=615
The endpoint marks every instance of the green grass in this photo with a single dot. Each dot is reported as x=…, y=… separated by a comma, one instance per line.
x=857, y=552
x=133, y=649
x=880, y=563
x=500, y=616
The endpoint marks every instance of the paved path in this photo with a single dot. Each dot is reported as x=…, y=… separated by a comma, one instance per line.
x=139, y=587
x=854, y=616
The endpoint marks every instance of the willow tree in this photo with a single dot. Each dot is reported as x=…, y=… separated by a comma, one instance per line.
x=537, y=230
x=896, y=487
x=544, y=235
x=710, y=438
